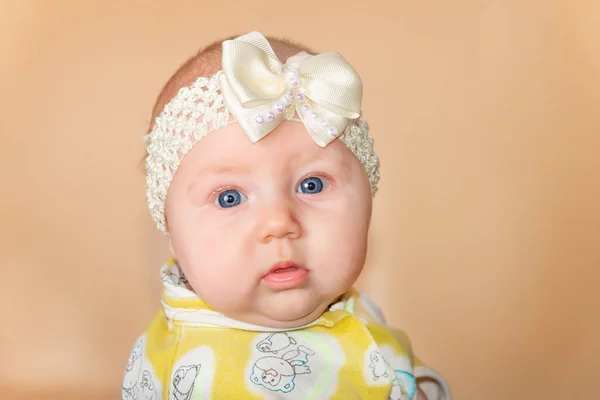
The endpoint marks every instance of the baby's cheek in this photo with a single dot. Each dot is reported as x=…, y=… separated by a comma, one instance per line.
x=340, y=254
x=217, y=267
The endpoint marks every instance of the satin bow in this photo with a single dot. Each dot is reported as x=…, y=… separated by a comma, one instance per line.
x=260, y=92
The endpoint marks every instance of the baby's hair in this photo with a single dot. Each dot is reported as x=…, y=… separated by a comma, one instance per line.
x=207, y=62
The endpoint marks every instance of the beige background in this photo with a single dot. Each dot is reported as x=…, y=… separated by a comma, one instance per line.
x=486, y=234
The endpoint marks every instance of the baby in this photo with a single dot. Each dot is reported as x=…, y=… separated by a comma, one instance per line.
x=267, y=220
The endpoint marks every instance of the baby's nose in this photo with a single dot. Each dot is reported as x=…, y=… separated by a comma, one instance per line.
x=278, y=220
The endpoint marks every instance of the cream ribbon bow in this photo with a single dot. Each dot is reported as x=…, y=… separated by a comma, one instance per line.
x=259, y=91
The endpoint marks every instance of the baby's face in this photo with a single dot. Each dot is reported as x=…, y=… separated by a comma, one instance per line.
x=271, y=232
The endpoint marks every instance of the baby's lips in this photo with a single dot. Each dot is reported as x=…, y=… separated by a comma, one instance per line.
x=282, y=265
x=286, y=275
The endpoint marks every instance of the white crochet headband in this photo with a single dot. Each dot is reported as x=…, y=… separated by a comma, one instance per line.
x=258, y=91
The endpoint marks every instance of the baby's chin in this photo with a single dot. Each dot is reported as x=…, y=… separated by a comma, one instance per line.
x=291, y=312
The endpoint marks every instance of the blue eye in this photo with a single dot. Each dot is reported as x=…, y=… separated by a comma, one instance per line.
x=311, y=185
x=230, y=198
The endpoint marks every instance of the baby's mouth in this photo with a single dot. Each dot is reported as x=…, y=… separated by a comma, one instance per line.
x=285, y=275
x=283, y=267
x=286, y=269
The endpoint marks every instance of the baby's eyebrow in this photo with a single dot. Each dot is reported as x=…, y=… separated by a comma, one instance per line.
x=207, y=173
x=315, y=157
x=222, y=170
x=340, y=161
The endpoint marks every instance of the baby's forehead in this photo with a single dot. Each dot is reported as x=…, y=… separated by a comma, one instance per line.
x=228, y=149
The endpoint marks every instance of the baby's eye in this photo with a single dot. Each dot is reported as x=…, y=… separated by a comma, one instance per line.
x=229, y=198
x=311, y=185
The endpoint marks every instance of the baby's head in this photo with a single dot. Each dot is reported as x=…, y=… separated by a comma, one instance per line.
x=262, y=175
